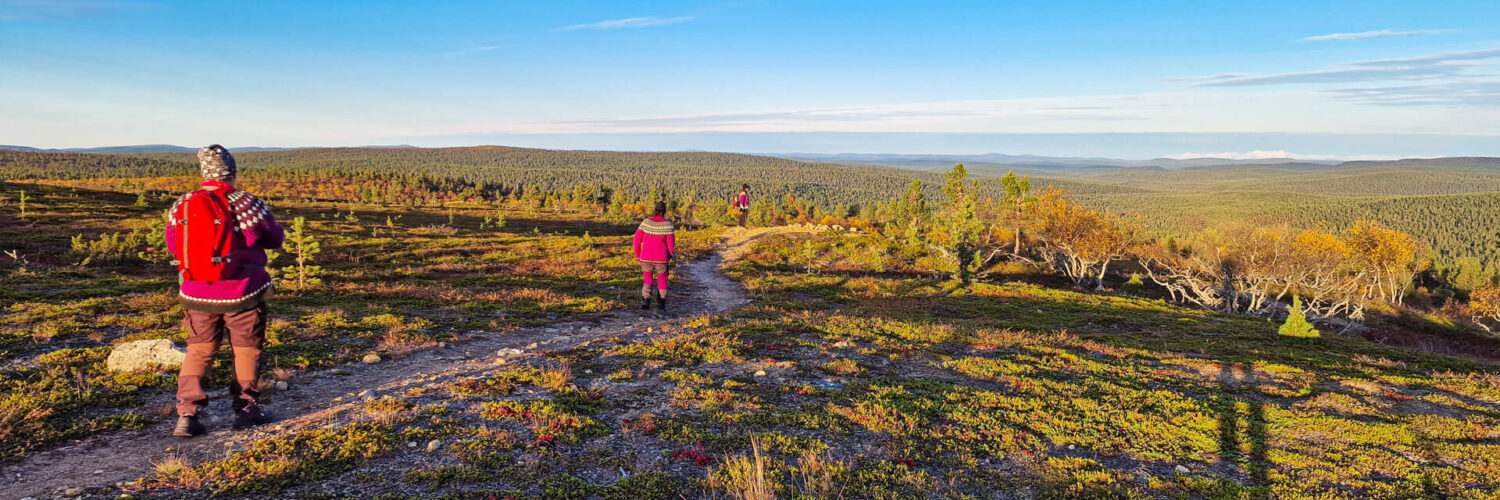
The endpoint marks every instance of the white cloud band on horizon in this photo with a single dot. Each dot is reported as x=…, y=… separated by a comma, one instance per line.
x=629, y=22
x=1362, y=35
x=1260, y=154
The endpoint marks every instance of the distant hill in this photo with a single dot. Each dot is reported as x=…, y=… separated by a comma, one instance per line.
x=164, y=148
x=1449, y=202
x=136, y=149
x=1060, y=165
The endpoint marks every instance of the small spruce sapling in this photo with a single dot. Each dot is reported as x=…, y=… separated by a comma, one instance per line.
x=140, y=200
x=24, y=198
x=302, y=246
x=1296, y=322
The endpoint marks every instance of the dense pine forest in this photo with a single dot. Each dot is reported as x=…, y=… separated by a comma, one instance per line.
x=1450, y=204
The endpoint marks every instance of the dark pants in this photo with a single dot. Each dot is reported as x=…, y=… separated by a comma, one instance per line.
x=246, y=331
x=743, y=213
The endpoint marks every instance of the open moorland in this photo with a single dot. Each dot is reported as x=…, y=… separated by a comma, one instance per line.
x=470, y=332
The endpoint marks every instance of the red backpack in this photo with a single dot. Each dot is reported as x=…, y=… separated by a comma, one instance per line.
x=207, y=236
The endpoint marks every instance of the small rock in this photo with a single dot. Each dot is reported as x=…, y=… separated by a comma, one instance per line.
x=442, y=344
x=1070, y=447
x=432, y=446
x=587, y=371
x=1181, y=469
x=760, y=373
x=72, y=492
x=371, y=358
x=145, y=355
x=532, y=346
x=551, y=330
x=411, y=444
x=98, y=471
x=229, y=444
x=281, y=385
x=365, y=393
x=509, y=351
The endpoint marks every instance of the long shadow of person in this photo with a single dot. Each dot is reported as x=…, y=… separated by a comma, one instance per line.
x=1227, y=405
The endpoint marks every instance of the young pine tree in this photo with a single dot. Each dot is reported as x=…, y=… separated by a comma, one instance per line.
x=1017, y=197
x=23, y=203
x=302, y=247
x=1296, y=323
x=140, y=200
x=960, y=224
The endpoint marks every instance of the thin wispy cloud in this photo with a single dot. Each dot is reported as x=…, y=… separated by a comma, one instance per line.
x=29, y=10
x=629, y=22
x=471, y=50
x=1340, y=37
x=1209, y=78
x=1435, y=59
x=1471, y=93
x=1260, y=154
x=1430, y=67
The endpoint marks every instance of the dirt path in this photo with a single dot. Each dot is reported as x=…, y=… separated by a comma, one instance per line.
x=737, y=240
x=97, y=464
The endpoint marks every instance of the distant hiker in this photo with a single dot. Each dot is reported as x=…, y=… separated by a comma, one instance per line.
x=742, y=202
x=654, y=247
x=219, y=236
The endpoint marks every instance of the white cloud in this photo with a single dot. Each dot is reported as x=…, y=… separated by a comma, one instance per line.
x=1260, y=154
x=1339, y=37
x=1433, y=66
x=471, y=50
x=629, y=22
x=31, y=10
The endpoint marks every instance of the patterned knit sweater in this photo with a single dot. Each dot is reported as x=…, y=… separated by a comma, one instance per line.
x=654, y=241
x=248, y=282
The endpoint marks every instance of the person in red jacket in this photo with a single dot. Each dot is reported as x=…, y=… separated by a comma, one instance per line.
x=654, y=247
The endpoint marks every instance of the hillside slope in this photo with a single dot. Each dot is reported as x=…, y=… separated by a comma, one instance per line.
x=853, y=384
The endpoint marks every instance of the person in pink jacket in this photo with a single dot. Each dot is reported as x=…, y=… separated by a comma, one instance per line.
x=654, y=247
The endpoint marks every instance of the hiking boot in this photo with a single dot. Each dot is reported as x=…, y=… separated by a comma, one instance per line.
x=661, y=303
x=645, y=303
x=188, y=426
x=252, y=416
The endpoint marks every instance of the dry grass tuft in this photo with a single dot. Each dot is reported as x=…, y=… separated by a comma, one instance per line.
x=817, y=476
x=744, y=477
x=555, y=377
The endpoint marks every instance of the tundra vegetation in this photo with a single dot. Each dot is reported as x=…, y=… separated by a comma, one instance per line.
x=960, y=342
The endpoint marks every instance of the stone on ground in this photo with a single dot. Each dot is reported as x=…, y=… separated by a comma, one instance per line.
x=145, y=355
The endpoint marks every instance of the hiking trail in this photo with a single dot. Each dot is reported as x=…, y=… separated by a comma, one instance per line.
x=334, y=396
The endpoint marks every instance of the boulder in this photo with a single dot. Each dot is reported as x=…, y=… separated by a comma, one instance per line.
x=145, y=355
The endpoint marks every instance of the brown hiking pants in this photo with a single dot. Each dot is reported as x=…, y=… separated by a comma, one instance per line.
x=743, y=213
x=206, y=331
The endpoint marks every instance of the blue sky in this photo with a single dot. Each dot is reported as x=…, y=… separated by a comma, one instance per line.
x=1344, y=79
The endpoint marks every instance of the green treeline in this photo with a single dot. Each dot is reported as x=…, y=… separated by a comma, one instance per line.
x=1413, y=196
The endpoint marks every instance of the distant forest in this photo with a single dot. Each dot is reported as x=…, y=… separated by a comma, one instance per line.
x=1453, y=205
